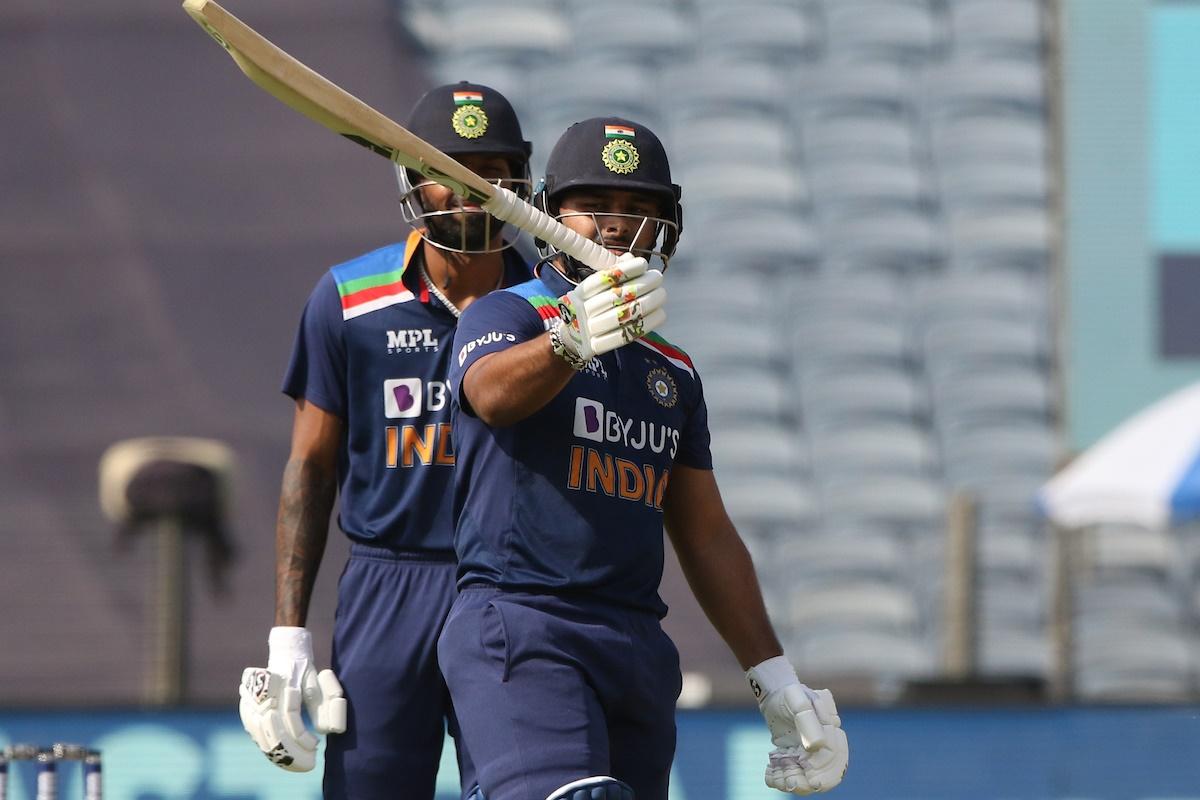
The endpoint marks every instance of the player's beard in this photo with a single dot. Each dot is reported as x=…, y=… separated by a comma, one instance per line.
x=468, y=230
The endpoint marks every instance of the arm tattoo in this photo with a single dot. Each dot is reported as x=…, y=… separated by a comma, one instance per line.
x=301, y=530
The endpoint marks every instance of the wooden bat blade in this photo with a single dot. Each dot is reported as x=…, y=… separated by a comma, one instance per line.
x=321, y=100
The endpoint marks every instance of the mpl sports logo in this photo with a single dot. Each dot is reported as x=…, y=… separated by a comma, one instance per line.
x=411, y=340
x=593, y=422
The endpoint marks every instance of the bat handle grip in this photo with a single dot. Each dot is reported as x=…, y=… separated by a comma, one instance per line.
x=507, y=206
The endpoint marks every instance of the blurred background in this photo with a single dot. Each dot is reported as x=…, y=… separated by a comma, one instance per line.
x=934, y=253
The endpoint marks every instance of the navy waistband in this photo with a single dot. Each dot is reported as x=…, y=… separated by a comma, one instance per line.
x=388, y=554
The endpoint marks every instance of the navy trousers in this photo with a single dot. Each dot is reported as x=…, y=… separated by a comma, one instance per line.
x=391, y=608
x=549, y=690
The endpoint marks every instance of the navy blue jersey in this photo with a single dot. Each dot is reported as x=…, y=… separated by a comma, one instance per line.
x=373, y=348
x=570, y=498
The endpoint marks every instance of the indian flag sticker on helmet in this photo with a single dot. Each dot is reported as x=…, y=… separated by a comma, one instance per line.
x=469, y=121
x=468, y=98
x=618, y=132
x=620, y=156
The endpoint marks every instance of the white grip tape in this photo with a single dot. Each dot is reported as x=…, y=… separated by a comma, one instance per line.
x=506, y=205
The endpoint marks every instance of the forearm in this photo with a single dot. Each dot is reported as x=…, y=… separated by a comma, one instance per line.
x=504, y=388
x=722, y=578
x=301, y=530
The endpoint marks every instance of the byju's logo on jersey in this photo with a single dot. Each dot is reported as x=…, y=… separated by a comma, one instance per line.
x=402, y=398
x=492, y=337
x=594, y=423
x=589, y=419
x=411, y=340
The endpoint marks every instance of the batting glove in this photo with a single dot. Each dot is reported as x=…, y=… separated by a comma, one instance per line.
x=811, y=750
x=271, y=701
x=610, y=308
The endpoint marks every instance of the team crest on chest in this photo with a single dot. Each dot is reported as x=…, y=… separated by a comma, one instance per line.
x=662, y=387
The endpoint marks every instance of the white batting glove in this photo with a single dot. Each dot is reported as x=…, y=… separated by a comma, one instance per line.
x=611, y=308
x=271, y=701
x=811, y=750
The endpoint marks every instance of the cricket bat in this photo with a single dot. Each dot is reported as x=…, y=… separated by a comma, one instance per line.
x=319, y=99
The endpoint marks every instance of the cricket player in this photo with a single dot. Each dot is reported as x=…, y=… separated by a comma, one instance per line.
x=372, y=422
x=579, y=434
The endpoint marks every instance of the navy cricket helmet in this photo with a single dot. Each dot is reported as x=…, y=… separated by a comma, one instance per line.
x=614, y=153
x=460, y=119
x=469, y=118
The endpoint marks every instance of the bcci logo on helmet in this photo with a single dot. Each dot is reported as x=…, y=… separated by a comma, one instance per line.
x=469, y=122
x=620, y=156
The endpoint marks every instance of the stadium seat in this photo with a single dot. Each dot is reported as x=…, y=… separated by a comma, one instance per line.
x=981, y=454
x=1014, y=651
x=908, y=30
x=841, y=135
x=728, y=137
x=959, y=344
x=991, y=137
x=837, y=556
x=529, y=33
x=822, y=605
x=722, y=343
x=885, y=656
x=1012, y=27
x=1134, y=663
x=839, y=337
x=1011, y=552
x=849, y=188
x=662, y=34
x=1130, y=550
x=770, y=504
x=893, y=239
x=857, y=85
x=1148, y=601
x=991, y=293
x=986, y=84
x=711, y=87
x=860, y=296
x=848, y=395
x=755, y=449
x=748, y=394
x=1008, y=600
x=873, y=450
x=911, y=503
x=985, y=184
x=773, y=33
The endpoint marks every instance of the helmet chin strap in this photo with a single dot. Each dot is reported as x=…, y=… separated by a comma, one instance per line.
x=571, y=270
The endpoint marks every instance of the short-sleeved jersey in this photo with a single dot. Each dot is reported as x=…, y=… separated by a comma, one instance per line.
x=374, y=348
x=569, y=500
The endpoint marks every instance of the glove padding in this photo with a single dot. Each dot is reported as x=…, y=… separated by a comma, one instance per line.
x=271, y=701
x=612, y=307
x=811, y=750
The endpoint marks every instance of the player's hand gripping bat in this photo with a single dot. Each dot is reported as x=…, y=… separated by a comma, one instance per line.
x=319, y=99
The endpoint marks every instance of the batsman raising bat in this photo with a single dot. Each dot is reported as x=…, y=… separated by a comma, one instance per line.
x=372, y=423
x=580, y=434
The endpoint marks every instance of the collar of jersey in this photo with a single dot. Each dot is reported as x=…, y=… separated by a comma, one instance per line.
x=515, y=269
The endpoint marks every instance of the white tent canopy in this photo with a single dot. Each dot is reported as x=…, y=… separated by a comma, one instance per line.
x=1145, y=472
